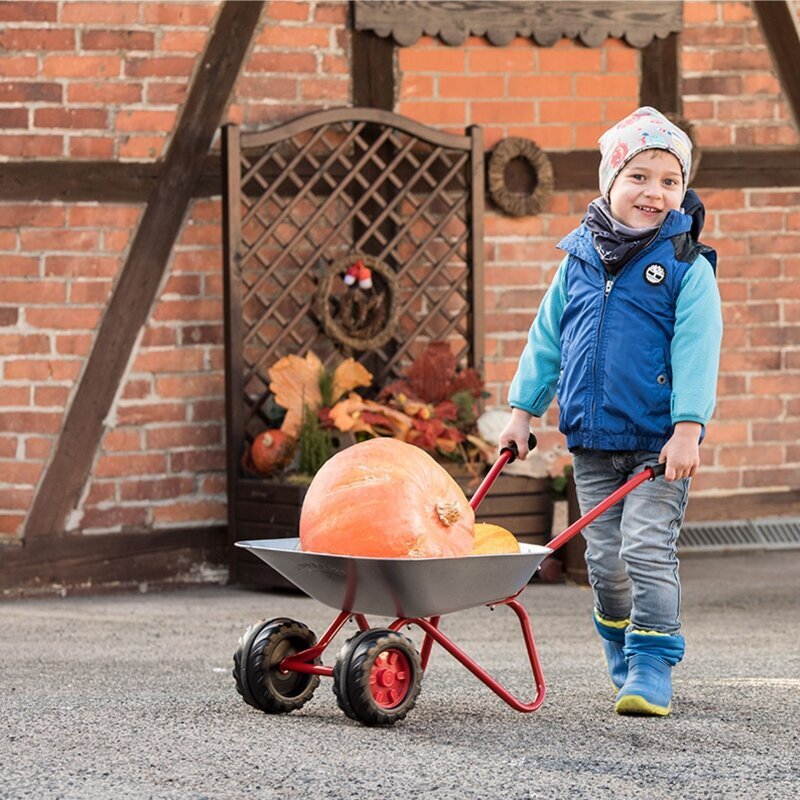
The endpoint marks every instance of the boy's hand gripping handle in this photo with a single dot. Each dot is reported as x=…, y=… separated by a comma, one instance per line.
x=512, y=448
x=508, y=454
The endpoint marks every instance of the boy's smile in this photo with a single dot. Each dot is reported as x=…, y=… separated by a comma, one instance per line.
x=647, y=188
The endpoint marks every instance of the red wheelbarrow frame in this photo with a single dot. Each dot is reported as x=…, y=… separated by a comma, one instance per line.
x=303, y=661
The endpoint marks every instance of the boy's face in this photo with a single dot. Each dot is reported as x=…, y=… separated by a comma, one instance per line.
x=647, y=188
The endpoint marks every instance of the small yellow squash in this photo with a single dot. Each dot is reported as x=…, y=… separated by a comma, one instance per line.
x=492, y=539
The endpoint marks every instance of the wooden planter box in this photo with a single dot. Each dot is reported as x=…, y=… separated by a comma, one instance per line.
x=522, y=505
x=263, y=510
x=271, y=510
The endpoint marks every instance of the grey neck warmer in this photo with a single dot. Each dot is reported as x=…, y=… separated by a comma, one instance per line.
x=616, y=243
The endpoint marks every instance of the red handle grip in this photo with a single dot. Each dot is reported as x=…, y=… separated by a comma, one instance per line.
x=508, y=454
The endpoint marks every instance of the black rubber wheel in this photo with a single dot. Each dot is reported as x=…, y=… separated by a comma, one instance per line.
x=378, y=675
x=255, y=666
x=340, y=675
x=245, y=643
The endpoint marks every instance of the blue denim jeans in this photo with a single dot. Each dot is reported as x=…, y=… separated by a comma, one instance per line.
x=631, y=548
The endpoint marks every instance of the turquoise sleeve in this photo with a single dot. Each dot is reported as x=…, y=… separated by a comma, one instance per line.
x=696, y=345
x=534, y=384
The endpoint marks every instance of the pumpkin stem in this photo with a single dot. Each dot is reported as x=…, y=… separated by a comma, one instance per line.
x=268, y=439
x=448, y=512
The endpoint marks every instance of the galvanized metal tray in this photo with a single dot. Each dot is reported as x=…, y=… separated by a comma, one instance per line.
x=400, y=587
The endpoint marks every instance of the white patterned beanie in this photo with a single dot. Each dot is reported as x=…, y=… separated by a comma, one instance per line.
x=644, y=129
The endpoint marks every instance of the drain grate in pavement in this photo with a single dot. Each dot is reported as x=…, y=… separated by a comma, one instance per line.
x=764, y=534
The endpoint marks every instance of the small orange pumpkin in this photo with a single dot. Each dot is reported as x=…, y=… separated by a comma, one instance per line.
x=387, y=499
x=271, y=450
x=492, y=539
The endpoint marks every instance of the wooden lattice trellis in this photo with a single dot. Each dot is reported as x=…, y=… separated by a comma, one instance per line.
x=308, y=196
x=342, y=182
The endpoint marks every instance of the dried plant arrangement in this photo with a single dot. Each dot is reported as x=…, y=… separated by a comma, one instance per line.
x=435, y=406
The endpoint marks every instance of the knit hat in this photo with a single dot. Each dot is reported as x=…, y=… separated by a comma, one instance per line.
x=644, y=129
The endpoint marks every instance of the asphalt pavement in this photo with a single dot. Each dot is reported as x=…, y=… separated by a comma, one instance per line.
x=131, y=696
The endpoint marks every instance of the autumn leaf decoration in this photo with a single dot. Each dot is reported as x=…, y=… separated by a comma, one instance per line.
x=297, y=382
x=442, y=404
x=435, y=406
x=354, y=414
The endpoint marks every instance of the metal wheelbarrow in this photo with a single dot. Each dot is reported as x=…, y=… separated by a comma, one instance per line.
x=378, y=672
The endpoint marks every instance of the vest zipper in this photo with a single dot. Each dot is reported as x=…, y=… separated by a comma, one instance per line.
x=609, y=285
x=606, y=292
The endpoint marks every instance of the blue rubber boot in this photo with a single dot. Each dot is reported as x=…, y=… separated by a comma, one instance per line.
x=648, y=688
x=612, y=632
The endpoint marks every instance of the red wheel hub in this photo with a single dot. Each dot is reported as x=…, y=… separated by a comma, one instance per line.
x=390, y=678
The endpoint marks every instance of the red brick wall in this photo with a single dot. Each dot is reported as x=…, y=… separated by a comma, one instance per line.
x=105, y=81
x=729, y=91
x=519, y=90
x=86, y=80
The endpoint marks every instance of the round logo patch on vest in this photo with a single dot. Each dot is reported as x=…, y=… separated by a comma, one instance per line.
x=654, y=274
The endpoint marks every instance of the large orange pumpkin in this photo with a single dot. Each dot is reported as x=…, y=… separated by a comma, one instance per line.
x=491, y=539
x=388, y=499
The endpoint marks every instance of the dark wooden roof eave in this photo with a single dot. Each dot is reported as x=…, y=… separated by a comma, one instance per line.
x=501, y=21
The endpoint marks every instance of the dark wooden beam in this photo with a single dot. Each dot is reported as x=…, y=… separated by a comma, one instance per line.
x=372, y=70
x=574, y=169
x=751, y=168
x=112, y=560
x=234, y=327
x=373, y=79
x=94, y=181
x=660, y=86
x=720, y=168
x=783, y=41
x=136, y=289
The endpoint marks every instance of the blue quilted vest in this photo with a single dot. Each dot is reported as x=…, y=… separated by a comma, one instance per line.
x=615, y=384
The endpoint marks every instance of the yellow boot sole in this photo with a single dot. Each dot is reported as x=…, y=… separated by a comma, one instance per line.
x=634, y=704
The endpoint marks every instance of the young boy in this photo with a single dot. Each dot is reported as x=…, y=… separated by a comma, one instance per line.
x=628, y=336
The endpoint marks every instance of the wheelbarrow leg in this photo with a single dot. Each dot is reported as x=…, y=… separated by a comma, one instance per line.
x=427, y=644
x=433, y=633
